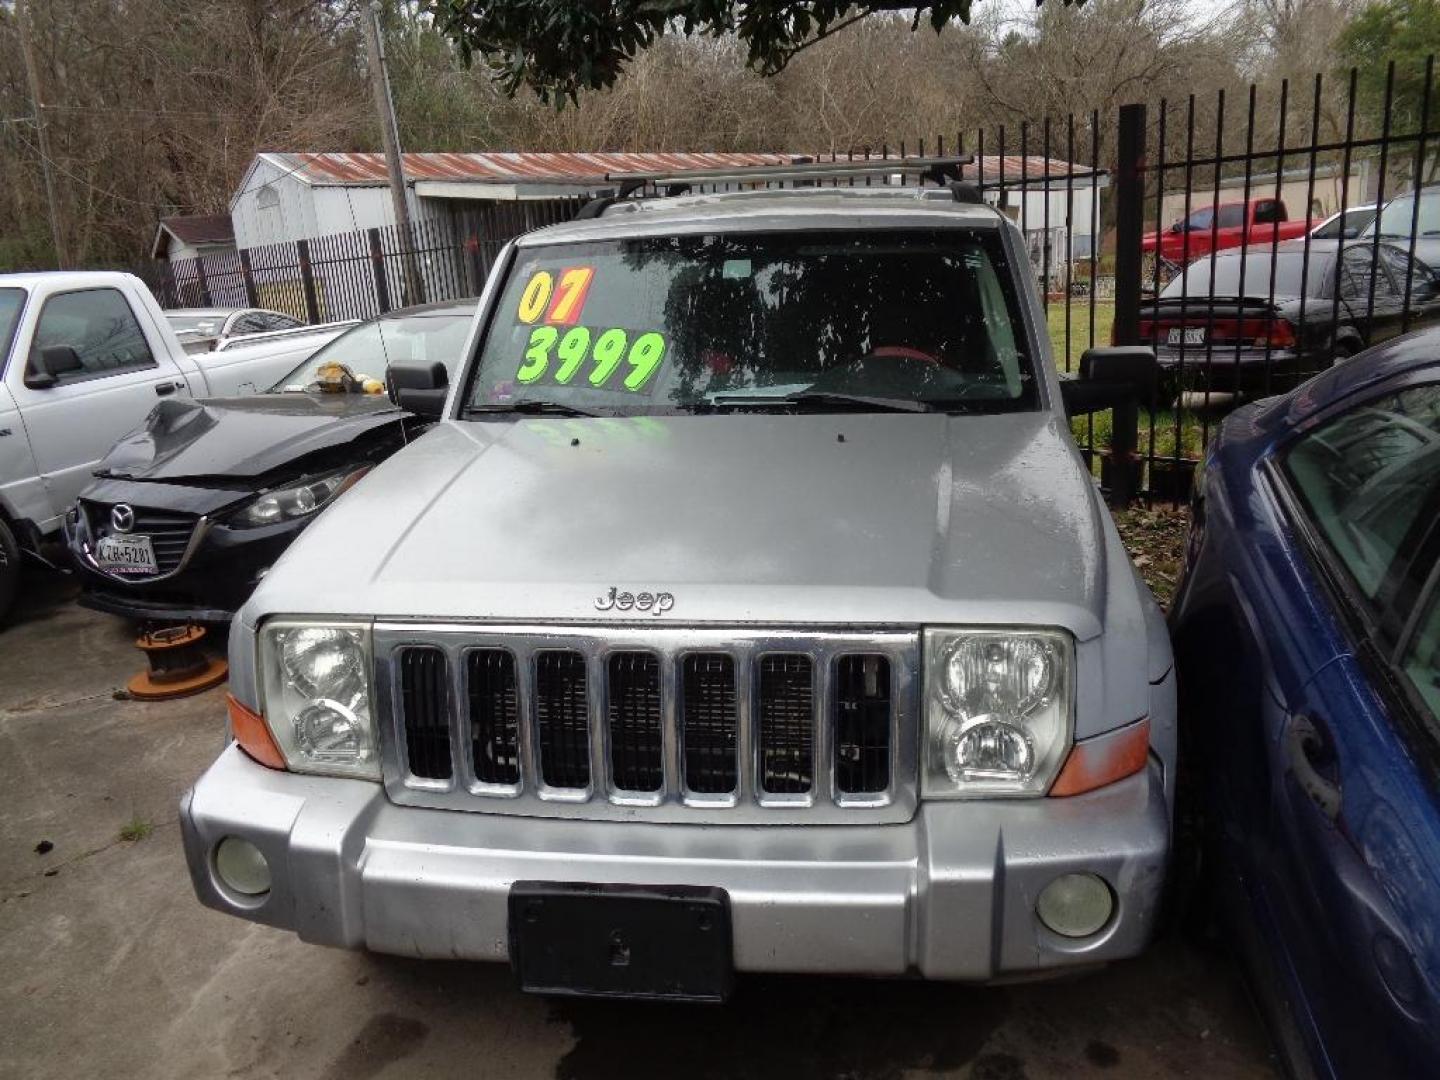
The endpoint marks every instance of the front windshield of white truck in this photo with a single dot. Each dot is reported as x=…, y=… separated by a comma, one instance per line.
x=894, y=319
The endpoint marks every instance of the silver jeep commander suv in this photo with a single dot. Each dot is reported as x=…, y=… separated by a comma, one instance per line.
x=750, y=608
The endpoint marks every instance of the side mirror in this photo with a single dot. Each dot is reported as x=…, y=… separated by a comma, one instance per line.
x=421, y=390
x=1111, y=376
x=1179, y=226
x=50, y=364
x=1134, y=366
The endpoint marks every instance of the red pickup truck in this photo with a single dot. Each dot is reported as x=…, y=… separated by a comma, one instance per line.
x=1225, y=226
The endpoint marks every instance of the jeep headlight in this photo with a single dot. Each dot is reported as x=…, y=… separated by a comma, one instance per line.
x=296, y=501
x=998, y=710
x=317, y=696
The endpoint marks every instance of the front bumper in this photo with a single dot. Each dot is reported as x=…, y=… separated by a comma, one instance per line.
x=948, y=895
x=1221, y=367
x=209, y=586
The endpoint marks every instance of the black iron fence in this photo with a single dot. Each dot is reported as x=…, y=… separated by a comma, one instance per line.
x=357, y=275
x=1250, y=247
x=1187, y=226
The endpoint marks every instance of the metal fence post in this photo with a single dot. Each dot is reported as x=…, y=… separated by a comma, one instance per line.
x=1129, y=226
x=377, y=264
x=307, y=281
x=204, y=284
x=247, y=275
x=1129, y=222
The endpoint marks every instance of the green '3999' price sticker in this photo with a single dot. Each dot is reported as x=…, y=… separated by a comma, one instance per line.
x=561, y=354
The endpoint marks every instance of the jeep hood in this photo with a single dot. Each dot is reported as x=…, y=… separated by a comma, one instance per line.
x=858, y=520
x=242, y=437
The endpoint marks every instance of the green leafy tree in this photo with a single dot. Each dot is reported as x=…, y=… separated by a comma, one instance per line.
x=1405, y=31
x=559, y=48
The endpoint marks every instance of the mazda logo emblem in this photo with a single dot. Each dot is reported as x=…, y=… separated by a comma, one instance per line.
x=122, y=518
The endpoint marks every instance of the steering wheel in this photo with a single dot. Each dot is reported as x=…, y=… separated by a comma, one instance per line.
x=902, y=352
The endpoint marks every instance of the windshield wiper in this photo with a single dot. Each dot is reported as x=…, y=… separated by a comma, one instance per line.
x=820, y=399
x=532, y=407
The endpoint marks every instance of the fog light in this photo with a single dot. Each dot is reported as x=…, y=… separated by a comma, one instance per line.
x=241, y=866
x=1075, y=905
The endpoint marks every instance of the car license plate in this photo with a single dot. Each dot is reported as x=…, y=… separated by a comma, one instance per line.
x=1186, y=335
x=638, y=941
x=122, y=553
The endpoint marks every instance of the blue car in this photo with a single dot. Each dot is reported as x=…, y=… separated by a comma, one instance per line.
x=1307, y=646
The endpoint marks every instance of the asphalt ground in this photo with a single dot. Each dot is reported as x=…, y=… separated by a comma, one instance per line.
x=110, y=968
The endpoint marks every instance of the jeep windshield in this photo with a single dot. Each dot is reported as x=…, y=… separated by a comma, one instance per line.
x=872, y=320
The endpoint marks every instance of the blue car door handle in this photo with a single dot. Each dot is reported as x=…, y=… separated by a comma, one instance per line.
x=1304, y=743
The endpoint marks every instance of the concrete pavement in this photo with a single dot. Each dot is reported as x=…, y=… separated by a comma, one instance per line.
x=110, y=968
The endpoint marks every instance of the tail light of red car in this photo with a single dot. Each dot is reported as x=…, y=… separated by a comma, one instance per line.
x=1252, y=333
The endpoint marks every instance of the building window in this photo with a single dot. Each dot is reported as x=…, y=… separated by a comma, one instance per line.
x=267, y=210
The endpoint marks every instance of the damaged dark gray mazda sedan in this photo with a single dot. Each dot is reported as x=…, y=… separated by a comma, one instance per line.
x=189, y=511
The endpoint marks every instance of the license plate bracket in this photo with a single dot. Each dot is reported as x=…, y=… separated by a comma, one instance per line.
x=126, y=553
x=668, y=942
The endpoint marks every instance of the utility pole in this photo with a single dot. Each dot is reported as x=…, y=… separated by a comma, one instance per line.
x=390, y=138
x=32, y=75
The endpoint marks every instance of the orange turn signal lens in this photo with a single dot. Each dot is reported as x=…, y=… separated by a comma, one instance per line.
x=253, y=734
x=1102, y=760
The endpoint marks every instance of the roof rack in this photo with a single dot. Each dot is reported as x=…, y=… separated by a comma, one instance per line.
x=939, y=169
x=944, y=171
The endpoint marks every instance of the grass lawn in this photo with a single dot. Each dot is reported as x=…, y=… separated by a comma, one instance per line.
x=1079, y=328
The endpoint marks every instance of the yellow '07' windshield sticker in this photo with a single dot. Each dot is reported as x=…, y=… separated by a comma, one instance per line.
x=616, y=361
x=560, y=300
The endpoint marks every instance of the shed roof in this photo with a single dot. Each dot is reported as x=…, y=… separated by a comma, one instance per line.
x=1032, y=170
x=525, y=174
x=368, y=169
x=193, y=229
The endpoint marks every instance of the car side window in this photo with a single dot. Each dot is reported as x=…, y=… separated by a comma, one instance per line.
x=1365, y=479
x=1421, y=659
x=1401, y=267
x=99, y=325
x=1231, y=217
x=252, y=323
x=1268, y=212
x=1359, y=269
x=1354, y=277
x=279, y=322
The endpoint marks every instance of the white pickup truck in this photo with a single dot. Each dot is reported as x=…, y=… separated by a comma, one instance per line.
x=84, y=357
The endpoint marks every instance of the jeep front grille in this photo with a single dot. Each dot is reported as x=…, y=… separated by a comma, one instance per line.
x=633, y=711
x=709, y=730
x=650, y=724
x=425, y=685
x=562, y=720
x=494, y=716
x=786, y=707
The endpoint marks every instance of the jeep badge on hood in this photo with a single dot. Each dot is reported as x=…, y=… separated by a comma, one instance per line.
x=655, y=603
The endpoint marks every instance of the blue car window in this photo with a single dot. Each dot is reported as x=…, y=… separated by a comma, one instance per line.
x=1366, y=478
x=1421, y=662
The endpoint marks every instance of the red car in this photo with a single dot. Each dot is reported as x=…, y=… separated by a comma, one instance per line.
x=1225, y=226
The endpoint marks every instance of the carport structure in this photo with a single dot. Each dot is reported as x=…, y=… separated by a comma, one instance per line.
x=301, y=196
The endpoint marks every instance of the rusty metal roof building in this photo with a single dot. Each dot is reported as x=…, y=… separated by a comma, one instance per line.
x=1031, y=171
x=290, y=195
x=500, y=169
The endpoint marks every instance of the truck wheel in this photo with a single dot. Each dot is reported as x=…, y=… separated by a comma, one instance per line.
x=9, y=568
